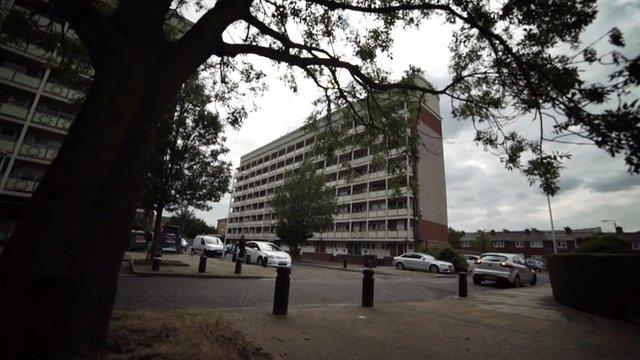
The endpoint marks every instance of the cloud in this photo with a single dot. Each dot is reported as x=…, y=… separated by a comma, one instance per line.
x=617, y=182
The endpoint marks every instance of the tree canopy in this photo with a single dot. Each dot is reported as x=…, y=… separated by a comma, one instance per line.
x=303, y=205
x=186, y=169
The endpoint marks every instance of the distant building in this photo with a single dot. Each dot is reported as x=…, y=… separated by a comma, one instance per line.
x=222, y=226
x=373, y=219
x=536, y=244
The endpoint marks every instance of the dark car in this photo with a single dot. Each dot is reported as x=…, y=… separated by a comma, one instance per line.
x=172, y=239
x=139, y=240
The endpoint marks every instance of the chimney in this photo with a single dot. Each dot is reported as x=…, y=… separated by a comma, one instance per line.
x=567, y=230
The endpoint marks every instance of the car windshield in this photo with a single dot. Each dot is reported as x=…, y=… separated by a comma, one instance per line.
x=212, y=241
x=269, y=247
x=495, y=258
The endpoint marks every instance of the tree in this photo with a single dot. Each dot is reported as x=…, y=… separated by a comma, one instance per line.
x=190, y=225
x=502, y=69
x=303, y=205
x=482, y=241
x=185, y=169
x=453, y=237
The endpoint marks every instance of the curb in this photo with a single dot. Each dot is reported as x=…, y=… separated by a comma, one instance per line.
x=143, y=273
x=337, y=268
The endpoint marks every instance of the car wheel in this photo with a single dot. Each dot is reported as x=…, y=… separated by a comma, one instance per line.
x=193, y=251
x=265, y=262
x=477, y=280
x=534, y=280
x=259, y=260
x=400, y=266
x=516, y=282
x=433, y=269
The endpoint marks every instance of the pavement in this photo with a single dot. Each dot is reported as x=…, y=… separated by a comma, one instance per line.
x=216, y=267
x=523, y=323
x=310, y=286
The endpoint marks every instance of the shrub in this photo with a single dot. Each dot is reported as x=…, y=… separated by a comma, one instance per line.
x=604, y=284
x=451, y=255
x=607, y=244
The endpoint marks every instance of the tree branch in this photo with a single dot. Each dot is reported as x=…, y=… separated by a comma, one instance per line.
x=86, y=20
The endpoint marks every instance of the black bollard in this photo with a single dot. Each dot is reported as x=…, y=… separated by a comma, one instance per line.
x=281, y=294
x=367, y=288
x=462, y=284
x=238, y=265
x=344, y=263
x=155, y=264
x=202, y=267
x=233, y=257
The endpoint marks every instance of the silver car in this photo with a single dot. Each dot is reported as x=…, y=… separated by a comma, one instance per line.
x=504, y=268
x=419, y=261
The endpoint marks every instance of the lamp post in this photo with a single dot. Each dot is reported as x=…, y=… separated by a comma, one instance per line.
x=553, y=230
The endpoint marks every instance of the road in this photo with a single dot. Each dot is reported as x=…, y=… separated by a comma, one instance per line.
x=310, y=286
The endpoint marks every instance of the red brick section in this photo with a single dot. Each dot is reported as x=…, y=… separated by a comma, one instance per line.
x=434, y=234
x=431, y=121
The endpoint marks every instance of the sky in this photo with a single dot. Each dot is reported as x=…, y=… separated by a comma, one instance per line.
x=481, y=194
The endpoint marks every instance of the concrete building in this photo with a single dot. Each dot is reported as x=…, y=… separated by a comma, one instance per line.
x=37, y=103
x=374, y=219
x=222, y=226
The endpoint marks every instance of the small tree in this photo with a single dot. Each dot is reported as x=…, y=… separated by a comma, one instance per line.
x=190, y=225
x=453, y=237
x=303, y=205
x=482, y=241
x=185, y=167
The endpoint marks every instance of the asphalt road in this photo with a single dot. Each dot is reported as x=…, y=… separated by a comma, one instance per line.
x=310, y=286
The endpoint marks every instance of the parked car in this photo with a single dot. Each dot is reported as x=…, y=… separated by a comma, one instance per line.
x=419, y=261
x=184, y=244
x=266, y=254
x=503, y=268
x=471, y=261
x=536, y=265
x=207, y=245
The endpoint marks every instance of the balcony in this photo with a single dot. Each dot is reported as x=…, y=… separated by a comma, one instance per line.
x=38, y=151
x=52, y=120
x=397, y=212
x=377, y=233
x=21, y=185
x=62, y=91
x=7, y=145
x=13, y=110
x=19, y=77
x=399, y=234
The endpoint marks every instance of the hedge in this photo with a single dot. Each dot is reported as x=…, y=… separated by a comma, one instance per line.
x=603, y=284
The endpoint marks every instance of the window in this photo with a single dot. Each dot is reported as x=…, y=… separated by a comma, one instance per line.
x=465, y=244
x=562, y=244
x=635, y=245
x=498, y=244
x=519, y=244
x=536, y=244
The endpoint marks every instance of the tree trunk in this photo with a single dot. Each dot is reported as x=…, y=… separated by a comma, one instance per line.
x=157, y=237
x=59, y=272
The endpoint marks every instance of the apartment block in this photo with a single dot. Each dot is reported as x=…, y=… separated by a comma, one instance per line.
x=38, y=104
x=375, y=218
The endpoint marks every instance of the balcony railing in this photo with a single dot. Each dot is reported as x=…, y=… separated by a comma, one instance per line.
x=62, y=91
x=7, y=145
x=13, y=110
x=52, y=120
x=21, y=185
x=19, y=77
x=38, y=151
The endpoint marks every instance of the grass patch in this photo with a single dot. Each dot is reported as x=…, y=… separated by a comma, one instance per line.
x=145, y=262
x=190, y=334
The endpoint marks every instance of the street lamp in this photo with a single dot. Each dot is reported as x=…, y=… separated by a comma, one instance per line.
x=553, y=230
x=615, y=226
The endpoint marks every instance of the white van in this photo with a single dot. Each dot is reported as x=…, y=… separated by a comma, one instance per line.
x=207, y=245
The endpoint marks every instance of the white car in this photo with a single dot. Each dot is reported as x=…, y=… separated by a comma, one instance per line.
x=505, y=268
x=266, y=254
x=207, y=245
x=471, y=261
x=420, y=261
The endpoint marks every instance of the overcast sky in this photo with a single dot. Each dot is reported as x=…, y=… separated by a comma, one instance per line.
x=481, y=194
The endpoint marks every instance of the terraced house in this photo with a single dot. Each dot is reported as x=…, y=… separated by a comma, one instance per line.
x=38, y=102
x=374, y=218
